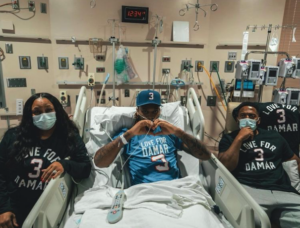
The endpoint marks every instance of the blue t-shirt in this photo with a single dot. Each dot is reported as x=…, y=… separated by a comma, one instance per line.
x=152, y=158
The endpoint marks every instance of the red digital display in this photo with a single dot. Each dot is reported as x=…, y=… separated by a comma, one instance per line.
x=135, y=14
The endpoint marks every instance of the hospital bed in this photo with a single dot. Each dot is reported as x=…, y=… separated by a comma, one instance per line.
x=235, y=203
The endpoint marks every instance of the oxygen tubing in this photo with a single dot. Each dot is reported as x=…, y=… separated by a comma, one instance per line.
x=213, y=84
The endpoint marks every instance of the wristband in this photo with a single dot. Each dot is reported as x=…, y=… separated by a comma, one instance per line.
x=124, y=141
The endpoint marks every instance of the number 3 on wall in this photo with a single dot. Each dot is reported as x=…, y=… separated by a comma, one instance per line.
x=161, y=168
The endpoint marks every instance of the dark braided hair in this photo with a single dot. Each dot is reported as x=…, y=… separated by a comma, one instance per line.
x=27, y=133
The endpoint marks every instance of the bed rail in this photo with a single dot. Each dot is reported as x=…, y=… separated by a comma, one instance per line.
x=80, y=110
x=196, y=115
x=49, y=209
x=235, y=202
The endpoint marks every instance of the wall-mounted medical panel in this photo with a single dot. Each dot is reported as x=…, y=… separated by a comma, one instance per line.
x=63, y=63
x=42, y=62
x=16, y=82
x=229, y=67
x=9, y=48
x=25, y=62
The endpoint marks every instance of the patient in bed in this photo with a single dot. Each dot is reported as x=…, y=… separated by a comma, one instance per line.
x=255, y=157
x=150, y=146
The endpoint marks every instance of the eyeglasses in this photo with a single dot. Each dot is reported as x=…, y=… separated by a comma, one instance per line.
x=249, y=115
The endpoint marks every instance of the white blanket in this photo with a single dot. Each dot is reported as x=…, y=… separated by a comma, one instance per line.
x=177, y=203
x=165, y=197
x=195, y=216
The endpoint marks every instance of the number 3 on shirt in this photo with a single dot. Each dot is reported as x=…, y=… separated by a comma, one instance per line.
x=282, y=115
x=260, y=154
x=37, y=168
x=161, y=168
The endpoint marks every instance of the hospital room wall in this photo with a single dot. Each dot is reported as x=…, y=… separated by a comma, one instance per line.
x=227, y=27
x=66, y=19
x=36, y=27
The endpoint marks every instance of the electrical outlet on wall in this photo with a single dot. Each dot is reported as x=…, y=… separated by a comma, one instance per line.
x=165, y=70
x=19, y=107
x=63, y=97
x=100, y=69
x=126, y=93
x=31, y=6
x=211, y=100
x=214, y=66
x=15, y=4
x=198, y=66
x=232, y=55
x=91, y=79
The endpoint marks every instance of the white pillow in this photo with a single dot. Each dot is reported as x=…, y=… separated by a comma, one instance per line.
x=111, y=120
x=291, y=167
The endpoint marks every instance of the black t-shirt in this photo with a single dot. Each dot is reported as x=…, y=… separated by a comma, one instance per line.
x=20, y=184
x=284, y=119
x=260, y=161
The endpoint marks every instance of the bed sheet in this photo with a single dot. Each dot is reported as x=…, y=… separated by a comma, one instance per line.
x=176, y=203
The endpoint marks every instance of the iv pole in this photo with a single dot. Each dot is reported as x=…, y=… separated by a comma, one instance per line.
x=155, y=43
x=266, y=52
x=113, y=40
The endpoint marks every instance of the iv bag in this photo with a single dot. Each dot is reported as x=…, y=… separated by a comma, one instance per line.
x=123, y=67
x=273, y=45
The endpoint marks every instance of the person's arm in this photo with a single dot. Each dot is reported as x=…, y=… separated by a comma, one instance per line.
x=230, y=157
x=107, y=154
x=78, y=165
x=295, y=157
x=191, y=144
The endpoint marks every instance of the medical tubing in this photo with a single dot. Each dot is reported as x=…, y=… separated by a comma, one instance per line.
x=91, y=97
x=154, y=63
x=221, y=84
x=213, y=84
x=169, y=91
x=103, y=87
x=162, y=81
x=135, y=150
x=114, y=70
x=122, y=165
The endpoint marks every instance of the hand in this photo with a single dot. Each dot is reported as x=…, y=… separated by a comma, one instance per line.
x=245, y=133
x=166, y=127
x=53, y=171
x=142, y=127
x=8, y=220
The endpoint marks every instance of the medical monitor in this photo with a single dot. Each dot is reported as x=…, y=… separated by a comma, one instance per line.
x=242, y=69
x=286, y=68
x=271, y=75
x=296, y=73
x=254, y=70
x=248, y=88
x=280, y=96
x=293, y=96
